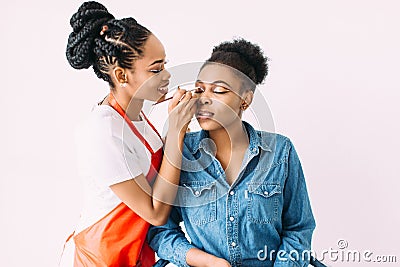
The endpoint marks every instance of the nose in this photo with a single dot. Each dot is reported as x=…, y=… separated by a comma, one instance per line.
x=166, y=75
x=204, y=100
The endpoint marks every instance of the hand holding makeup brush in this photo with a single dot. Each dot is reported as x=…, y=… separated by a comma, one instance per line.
x=169, y=98
x=181, y=110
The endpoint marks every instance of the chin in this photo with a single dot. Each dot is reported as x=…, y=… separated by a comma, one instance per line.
x=209, y=125
x=160, y=98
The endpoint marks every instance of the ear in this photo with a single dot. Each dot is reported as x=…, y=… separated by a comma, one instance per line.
x=120, y=75
x=248, y=96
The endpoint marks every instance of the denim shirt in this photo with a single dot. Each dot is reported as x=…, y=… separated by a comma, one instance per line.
x=263, y=219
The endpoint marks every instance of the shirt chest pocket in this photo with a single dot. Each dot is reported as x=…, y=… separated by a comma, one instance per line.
x=263, y=203
x=199, y=200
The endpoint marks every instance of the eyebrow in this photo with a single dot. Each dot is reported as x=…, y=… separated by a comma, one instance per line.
x=215, y=82
x=156, y=62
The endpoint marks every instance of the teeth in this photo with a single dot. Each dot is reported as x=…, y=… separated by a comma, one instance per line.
x=163, y=89
x=204, y=113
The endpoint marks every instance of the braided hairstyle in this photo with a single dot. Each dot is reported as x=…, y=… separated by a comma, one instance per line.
x=244, y=56
x=101, y=41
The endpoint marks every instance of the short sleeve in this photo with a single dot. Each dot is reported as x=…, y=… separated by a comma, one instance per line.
x=103, y=154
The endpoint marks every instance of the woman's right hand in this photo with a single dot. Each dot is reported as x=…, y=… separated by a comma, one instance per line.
x=220, y=262
x=181, y=109
x=198, y=258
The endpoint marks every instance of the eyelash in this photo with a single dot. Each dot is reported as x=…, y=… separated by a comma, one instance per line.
x=219, y=93
x=156, y=71
x=160, y=70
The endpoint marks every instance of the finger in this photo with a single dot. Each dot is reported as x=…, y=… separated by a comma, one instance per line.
x=178, y=95
x=186, y=97
x=192, y=101
x=176, y=98
x=184, y=100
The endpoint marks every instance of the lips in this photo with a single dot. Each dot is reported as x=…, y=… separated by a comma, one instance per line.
x=204, y=114
x=163, y=89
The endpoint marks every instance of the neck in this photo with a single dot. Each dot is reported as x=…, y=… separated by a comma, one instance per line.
x=231, y=137
x=131, y=106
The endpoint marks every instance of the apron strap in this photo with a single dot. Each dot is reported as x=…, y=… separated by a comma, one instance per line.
x=114, y=104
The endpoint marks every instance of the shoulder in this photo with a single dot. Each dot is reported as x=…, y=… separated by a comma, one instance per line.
x=101, y=126
x=273, y=138
x=103, y=121
x=280, y=145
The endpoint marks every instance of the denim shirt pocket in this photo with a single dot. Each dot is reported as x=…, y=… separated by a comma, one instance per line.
x=263, y=202
x=199, y=201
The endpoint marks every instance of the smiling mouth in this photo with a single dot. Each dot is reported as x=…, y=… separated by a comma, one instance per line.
x=202, y=114
x=163, y=89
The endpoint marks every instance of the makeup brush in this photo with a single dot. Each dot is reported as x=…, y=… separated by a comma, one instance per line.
x=169, y=98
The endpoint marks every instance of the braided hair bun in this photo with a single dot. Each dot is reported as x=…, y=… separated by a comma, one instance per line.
x=243, y=56
x=101, y=41
x=86, y=24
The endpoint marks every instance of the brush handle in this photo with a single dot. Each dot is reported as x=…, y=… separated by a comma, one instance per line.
x=169, y=98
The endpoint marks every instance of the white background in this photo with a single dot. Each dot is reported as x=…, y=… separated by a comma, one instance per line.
x=333, y=88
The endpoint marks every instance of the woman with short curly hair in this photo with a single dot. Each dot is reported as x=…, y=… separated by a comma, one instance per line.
x=243, y=196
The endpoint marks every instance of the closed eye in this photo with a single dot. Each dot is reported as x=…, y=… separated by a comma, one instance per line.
x=217, y=90
x=220, y=92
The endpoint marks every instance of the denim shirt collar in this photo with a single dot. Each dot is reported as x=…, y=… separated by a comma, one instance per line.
x=202, y=140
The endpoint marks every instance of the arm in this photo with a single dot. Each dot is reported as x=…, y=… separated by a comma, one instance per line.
x=170, y=243
x=297, y=219
x=154, y=204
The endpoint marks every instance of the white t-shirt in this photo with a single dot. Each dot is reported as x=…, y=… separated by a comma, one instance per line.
x=108, y=153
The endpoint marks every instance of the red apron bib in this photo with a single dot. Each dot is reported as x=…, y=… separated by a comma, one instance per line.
x=118, y=239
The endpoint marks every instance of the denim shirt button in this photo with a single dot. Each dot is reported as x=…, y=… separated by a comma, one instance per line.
x=197, y=193
x=232, y=193
x=233, y=244
x=266, y=193
x=231, y=219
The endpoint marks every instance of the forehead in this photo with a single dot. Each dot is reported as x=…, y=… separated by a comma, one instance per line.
x=219, y=72
x=153, y=49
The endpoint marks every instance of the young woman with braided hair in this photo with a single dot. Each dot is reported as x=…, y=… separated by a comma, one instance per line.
x=119, y=151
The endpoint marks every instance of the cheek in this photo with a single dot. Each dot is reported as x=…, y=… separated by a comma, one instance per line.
x=146, y=80
x=226, y=110
x=146, y=77
x=231, y=106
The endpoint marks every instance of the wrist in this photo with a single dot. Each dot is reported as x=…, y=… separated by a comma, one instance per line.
x=173, y=150
x=175, y=137
x=199, y=258
x=210, y=260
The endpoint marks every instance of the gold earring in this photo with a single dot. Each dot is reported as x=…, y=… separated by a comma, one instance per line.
x=244, y=106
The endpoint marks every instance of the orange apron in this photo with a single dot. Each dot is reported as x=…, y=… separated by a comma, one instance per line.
x=118, y=239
